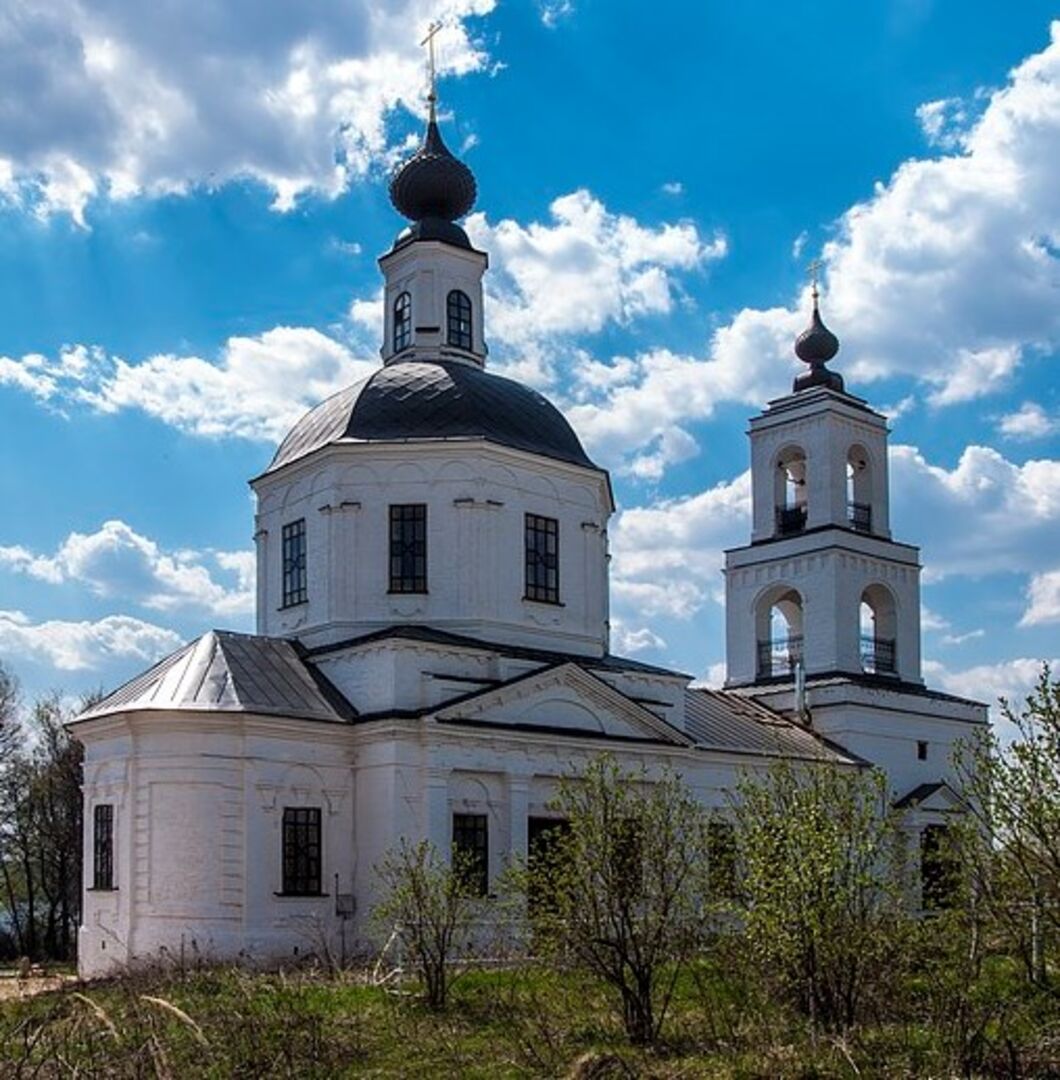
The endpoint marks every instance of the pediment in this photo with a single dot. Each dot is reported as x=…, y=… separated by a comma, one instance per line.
x=937, y=797
x=562, y=698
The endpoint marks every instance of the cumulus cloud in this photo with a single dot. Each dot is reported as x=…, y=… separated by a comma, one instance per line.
x=986, y=515
x=113, y=97
x=1012, y=680
x=80, y=646
x=1029, y=421
x=1043, y=599
x=118, y=562
x=625, y=640
x=256, y=389
x=667, y=556
x=585, y=268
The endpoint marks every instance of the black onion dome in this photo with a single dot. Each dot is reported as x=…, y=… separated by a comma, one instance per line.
x=816, y=344
x=413, y=401
x=433, y=183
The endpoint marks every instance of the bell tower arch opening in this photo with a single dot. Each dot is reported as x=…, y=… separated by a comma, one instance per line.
x=879, y=631
x=860, y=488
x=779, y=631
x=789, y=491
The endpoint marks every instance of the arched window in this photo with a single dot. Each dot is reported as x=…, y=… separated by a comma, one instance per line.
x=778, y=624
x=402, y=322
x=879, y=626
x=790, y=491
x=859, y=489
x=459, y=317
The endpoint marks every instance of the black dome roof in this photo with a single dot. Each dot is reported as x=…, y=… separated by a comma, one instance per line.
x=429, y=400
x=433, y=183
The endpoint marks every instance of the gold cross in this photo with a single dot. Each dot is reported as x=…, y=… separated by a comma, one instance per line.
x=433, y=29
x=814, y=266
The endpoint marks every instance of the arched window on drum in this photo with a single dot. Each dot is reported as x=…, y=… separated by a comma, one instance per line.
x=458, y=309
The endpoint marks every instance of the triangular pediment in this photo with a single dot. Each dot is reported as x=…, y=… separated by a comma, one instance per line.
x=936, y=797
x=562, y=698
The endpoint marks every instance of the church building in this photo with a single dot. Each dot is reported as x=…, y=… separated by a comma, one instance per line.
x=432, y=649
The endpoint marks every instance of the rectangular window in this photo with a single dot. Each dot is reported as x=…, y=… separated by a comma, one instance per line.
x=543, y=839
x=408, y=548
x=103, y=846
x=921, y=750
x=542, y=559
x=471, y=844
x=301, y=851
x=294, y=572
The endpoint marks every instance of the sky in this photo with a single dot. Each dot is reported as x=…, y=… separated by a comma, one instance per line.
x=193, y=199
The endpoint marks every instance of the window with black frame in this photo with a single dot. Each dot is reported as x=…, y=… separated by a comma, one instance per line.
x=459, y=319
x=402, y=322
x=294, y=563
x=301, y=851
x=721, y=860
x=542, y=559
x=472, y=848
x=408, y=548
x=939, y=869
x=103, y=847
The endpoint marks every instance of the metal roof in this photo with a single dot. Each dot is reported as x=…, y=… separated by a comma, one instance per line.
x=428, y=400
x=721, y=721
x=227, y=672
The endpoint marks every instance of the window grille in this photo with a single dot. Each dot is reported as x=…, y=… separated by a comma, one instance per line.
x=542, y=559
x=301, y=851
x=471, y=844
x=402, y=322
x=408, y=548
x=459, y=318
x=103, y=846
x=294, y=563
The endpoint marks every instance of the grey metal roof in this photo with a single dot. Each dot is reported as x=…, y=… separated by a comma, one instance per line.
x=923, y=792
x=227, y=672
x=428, y=400
x=721, y=721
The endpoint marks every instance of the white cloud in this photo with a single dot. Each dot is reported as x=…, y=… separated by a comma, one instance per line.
x=584, y=269
x=1009, y=679
x=960, y=639
x=117, y=562
x=673, y=187
x=78, y=646
x=256, y=390
x=944, y=122
x=625, y=641
x=668, y=556
x=1030, y=421
x=553, y=12
x=986, y=515
x=1043, y=596
x=115, y=97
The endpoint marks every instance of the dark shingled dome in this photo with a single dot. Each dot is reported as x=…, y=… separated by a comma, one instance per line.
x=407, y=402
x=816, y=344
x=433, y=183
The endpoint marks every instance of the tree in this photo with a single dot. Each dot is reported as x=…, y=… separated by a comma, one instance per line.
x=619, y=889
x=821, y=886
x=1013, y=795
x=40, y=834
x=431, y=905
x=9, y=729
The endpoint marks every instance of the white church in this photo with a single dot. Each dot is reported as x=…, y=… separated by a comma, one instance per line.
x=432, y=647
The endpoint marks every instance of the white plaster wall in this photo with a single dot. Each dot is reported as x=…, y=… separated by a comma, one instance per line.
x=825, y=427
x=476, y=497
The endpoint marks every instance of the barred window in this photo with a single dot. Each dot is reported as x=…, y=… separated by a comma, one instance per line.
x=459, y=312
x=294, y=563
x=472, y=847
x=408, y=548
x=301, y=851
x=103, y=846
x=721, y=860
x=542, y=559
x=939, y=868
x=402, y=322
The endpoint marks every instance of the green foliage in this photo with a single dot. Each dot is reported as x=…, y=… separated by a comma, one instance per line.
x=430, y=905
x=1013, y=794
x=619, y=891
x=821, y=891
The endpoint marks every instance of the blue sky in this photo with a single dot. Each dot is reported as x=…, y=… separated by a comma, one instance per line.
x=192, y=202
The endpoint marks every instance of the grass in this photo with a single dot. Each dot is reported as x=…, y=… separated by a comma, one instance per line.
x=522, y=1022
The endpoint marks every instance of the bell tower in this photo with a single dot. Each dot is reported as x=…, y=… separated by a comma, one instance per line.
x=822, y=584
